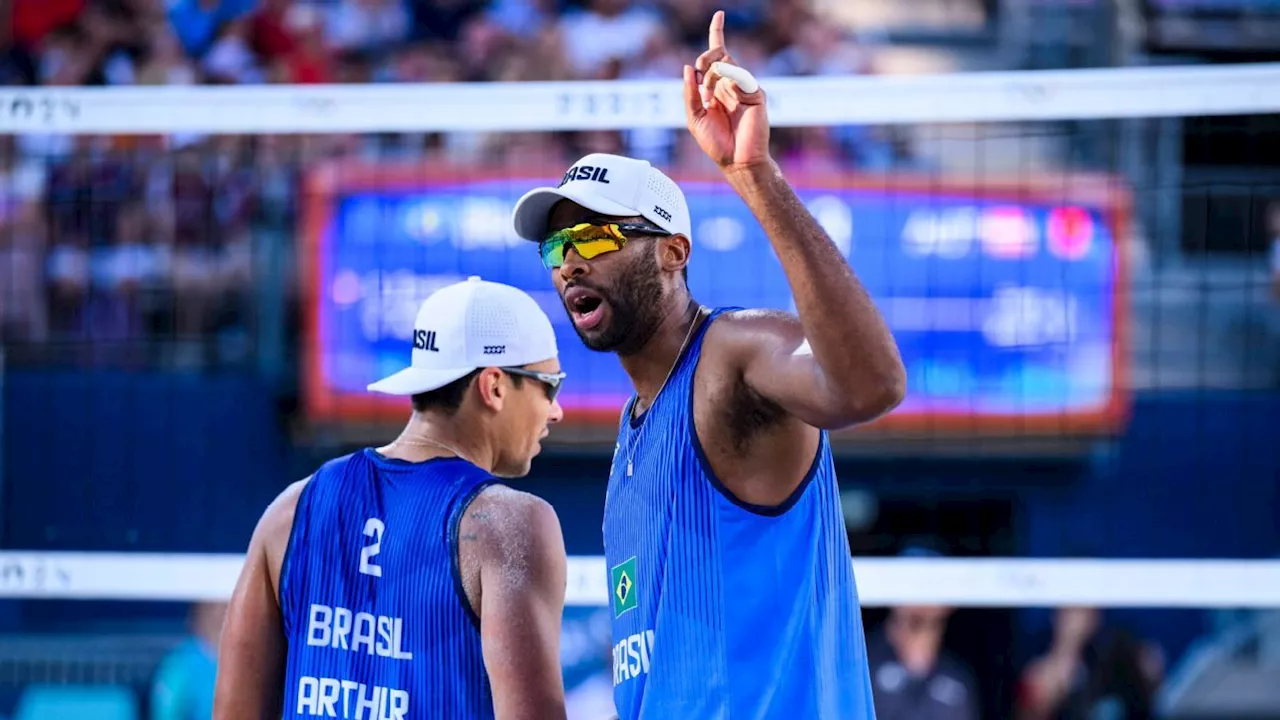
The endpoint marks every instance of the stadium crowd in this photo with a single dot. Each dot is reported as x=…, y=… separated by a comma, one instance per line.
x=108, y=242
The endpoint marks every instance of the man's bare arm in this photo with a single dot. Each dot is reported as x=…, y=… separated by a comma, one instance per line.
x=253, y=648
x=839, y=364
x=522, y=586
x=850, y=370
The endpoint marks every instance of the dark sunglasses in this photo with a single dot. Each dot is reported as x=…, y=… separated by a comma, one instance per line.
x=551, y=382
x=589, y=241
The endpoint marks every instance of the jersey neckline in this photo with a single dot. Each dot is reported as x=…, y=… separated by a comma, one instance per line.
x=635, y=422
x=381, y=459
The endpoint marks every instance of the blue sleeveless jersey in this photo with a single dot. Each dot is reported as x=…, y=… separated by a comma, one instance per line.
x=377, y=622
x=721, y=609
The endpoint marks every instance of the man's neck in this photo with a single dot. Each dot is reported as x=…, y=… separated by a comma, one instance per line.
x=429, y=436
x=649, y=367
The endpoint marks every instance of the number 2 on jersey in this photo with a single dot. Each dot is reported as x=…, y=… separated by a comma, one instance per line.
x=373, y=528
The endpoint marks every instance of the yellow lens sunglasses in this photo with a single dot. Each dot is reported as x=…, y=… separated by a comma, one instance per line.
x=589, y=240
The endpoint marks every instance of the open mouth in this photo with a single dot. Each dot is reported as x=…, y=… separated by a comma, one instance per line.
x=586, y=308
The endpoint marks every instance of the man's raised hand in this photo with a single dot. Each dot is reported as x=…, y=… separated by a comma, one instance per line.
x=725, y=107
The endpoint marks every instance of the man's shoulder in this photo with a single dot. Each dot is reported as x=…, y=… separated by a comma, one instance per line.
x=740, y=334
x=508, y=520
x=334, y=466
x=757, y=317
x=277, y=520
x=499, y=497
x=738, y=325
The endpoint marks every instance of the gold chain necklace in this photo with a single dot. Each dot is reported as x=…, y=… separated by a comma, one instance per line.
x=429, y=443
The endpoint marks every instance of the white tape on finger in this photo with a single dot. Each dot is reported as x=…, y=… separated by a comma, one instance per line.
x=739, y=75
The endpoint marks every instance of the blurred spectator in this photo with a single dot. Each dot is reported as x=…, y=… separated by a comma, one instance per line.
x=524, y=18
x=1090, y=671
x=87, y=189
x=66, y=56
x=686, y=22
x=231, y=59
x=912, y=676
x=165, y=63
x=310, y=59
x=203, y=201
x=83, y=199
x=442, y=20
x=24, y=316
x=663, y=57
x=812, y=149
x=605, y=31
x=22, y=178
x=818, y=47
x=183, y=685
x=33, y=20
x=482, y=47
x=269, y=33
x=368, y=24
x=119, y=274
x=199, y=22
x=780, y=26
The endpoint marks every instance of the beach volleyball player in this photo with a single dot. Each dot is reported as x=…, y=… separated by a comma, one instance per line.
x=729, y=571
x=406, y=582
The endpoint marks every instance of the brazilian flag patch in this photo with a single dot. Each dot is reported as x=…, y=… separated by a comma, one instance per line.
x=622, y=582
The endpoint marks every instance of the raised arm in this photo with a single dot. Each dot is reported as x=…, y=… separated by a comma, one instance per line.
x=252, y=650
x=522, y=586
x=838, y=364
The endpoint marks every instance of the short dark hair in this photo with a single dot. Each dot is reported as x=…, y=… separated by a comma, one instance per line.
x=448, y=399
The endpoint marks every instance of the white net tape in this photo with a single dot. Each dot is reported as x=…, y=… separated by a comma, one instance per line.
x=960, y=582
x=794, y=102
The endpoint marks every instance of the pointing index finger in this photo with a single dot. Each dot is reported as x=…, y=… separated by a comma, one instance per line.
x=715, y=37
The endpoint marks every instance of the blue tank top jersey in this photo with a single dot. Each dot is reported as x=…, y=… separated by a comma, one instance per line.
x=377, y=622
x=721, y=609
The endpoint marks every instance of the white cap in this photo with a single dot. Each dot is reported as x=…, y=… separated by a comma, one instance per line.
x=467, y=326
x=610, y=185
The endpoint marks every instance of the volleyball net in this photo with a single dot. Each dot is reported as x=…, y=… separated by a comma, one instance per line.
x=1050, y=249
x=1034, y=240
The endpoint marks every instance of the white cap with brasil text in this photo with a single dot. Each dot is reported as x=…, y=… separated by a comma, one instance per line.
x=467, y=326
x=610, y=185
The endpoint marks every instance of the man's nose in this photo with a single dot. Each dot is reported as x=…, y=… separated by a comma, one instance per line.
x=573, y=265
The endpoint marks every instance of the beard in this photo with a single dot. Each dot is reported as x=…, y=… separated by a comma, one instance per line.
x=634, y=309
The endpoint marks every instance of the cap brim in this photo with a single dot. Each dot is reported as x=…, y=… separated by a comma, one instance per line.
x=533, y=210
x=412, y=381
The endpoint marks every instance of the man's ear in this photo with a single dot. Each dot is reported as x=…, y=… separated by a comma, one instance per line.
x=673, y=253
x=489, y=387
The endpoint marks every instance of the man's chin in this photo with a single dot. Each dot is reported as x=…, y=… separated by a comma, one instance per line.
x=598, y=339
